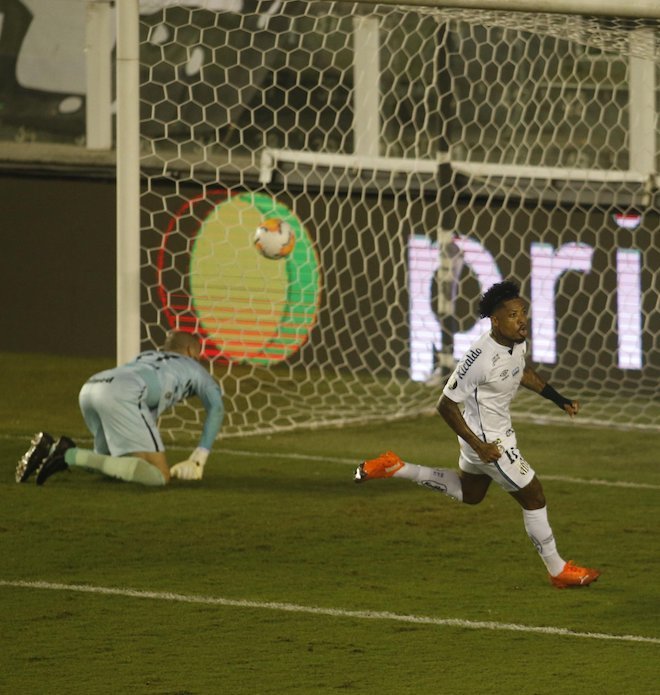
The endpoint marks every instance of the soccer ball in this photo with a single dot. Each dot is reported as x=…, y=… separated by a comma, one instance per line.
x=274, y=238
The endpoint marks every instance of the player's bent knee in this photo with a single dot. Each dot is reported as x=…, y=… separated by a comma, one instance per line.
x=164, y=471
x=471, y=500
x=531, y=496
x=473, y=494
x=158, y=461
x=474, y=487
x=536, y=492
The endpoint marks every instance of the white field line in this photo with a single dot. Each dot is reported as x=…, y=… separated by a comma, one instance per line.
x=354, y=462
x=331, y=612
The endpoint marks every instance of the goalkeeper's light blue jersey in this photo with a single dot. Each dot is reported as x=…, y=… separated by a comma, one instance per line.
x=171, y=378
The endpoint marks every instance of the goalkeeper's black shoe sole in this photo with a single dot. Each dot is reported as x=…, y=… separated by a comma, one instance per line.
x=32, y=459
x=55, y=462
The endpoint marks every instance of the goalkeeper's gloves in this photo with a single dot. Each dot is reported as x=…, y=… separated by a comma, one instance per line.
x=193, y=467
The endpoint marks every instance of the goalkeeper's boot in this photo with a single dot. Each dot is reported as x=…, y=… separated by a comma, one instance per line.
x=383, y=466
x=573, y=576
x=55, y=462
x=41, y=445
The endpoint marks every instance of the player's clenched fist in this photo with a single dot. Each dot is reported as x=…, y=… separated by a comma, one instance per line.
x=192, y=468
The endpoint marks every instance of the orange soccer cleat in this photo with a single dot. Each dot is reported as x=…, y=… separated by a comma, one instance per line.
x=573, y=576
x=383, y=466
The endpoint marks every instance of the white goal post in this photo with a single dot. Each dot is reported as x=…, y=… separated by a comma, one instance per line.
x=421, y=151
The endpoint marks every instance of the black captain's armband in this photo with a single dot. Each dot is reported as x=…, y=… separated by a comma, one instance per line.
x=549, y=393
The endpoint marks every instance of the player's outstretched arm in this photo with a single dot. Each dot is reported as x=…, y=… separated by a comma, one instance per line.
x=210, y=393
x=532, y=381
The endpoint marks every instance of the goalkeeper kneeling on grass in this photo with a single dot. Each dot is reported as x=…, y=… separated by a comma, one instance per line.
x=121, y=407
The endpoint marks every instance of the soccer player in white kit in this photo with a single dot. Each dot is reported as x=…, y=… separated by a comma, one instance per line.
x=485, y=381
x=121, y=407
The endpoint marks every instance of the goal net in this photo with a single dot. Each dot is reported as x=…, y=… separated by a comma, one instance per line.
x=420, y=154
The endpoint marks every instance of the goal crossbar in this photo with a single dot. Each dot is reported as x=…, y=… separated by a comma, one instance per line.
x=648, y=9
x=271, y=157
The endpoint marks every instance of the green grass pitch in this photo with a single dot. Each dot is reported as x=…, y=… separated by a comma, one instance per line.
x=277, y=574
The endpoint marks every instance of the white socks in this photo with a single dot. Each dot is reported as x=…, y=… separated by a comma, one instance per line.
x=128, y=468
x=540, y=533
x=536, y=520
x=440, y=479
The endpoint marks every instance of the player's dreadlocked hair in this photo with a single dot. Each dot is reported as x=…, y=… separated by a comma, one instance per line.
x=494, y=296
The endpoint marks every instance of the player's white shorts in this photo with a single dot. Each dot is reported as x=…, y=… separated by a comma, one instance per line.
x=511, y=472
x=113, y=404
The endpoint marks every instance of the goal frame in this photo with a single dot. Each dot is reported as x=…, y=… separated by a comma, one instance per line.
x=128, y=125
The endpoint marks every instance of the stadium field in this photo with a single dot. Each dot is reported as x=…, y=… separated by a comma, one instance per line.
x=277, y=574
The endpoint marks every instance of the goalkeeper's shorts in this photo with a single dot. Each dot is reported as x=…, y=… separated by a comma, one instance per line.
x=114, y=407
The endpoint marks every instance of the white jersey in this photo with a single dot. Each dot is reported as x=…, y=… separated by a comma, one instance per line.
x=485, y=381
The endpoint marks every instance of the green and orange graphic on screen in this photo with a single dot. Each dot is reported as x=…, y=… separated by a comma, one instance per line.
x=213, y=280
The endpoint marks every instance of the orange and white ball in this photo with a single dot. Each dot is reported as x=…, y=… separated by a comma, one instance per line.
x=274, y=239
